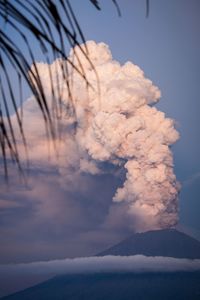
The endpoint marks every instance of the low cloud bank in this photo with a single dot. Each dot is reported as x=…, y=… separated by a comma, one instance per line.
x=16, y=277
x=136, y=264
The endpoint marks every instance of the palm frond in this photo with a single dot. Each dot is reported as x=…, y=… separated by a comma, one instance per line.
x=50, y=23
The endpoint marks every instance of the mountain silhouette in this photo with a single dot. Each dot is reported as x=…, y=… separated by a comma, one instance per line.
x=111, y=285
x=116, y=286
x=167, y=242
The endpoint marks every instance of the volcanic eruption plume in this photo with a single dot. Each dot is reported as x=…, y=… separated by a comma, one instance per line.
x=117, y=124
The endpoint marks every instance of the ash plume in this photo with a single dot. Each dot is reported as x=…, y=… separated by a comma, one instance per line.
x=118, y=125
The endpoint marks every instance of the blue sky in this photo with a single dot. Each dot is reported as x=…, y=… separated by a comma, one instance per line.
x=166, y=46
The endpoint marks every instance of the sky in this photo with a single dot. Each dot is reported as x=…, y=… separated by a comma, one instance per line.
x=58, y=216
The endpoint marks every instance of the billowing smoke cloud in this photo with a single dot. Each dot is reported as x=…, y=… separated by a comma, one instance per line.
x=117, y=125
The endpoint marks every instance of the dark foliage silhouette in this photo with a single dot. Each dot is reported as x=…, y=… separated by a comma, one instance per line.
x=50, y=24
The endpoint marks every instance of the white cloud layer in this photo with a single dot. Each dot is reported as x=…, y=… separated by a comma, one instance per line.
x=135, y=264
x=16, y=277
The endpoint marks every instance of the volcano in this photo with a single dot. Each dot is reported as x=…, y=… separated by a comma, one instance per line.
x=167, y=243
x=128, y=285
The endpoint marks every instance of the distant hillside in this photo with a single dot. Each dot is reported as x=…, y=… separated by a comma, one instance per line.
x=126, y=285
x=118, y=286
x=168, y=242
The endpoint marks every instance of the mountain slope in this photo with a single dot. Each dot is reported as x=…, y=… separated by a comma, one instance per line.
x=128, y=285
x=167, y=242
x=116, y=286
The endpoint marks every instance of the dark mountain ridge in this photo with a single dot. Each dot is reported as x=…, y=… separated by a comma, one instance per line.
x=166, y=242
x=129, y=285
x=116, y=286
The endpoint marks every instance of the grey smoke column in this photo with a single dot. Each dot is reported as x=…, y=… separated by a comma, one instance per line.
x=119, y=125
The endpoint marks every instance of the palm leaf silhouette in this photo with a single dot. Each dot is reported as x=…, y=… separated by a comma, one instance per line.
x=50, y=23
